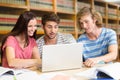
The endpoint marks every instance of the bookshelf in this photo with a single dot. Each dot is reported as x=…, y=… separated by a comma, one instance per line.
x=66, y=9
x=101, y=7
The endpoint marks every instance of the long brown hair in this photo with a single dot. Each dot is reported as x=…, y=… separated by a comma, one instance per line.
x=20, y=28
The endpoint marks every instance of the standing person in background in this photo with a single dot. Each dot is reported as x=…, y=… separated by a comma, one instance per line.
x=19, y=48
x=50, y=25
x=100, y=43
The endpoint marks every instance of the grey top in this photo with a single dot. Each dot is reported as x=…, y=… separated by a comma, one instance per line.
x=61, y=39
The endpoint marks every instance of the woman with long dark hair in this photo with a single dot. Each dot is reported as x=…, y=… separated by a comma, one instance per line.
x=19, y=48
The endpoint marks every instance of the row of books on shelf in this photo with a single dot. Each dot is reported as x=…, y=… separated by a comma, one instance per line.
x=112, y=25
x=100, y=9
x=16, y=2
x=81, y=5
x=112, y=13
x=46, y=4
x=66, y=29
x=65, y=5
x=112, y=16
x=62, y=5
x=7, y=21
x=6, y=29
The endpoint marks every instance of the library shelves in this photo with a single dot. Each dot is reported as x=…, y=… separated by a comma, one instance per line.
x=10, y=10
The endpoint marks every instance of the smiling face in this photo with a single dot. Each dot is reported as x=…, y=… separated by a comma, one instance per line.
x=32, y=27
x=87, y=23
x=50, y=29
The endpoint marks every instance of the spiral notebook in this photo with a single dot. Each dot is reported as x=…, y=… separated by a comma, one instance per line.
x=62, y=57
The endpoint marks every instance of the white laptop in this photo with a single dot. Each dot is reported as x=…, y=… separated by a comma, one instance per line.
x=62, y=57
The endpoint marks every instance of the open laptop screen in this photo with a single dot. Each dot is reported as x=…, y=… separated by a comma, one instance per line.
x=62, y=57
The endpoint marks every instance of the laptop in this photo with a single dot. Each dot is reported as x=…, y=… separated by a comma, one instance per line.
x=62, y=57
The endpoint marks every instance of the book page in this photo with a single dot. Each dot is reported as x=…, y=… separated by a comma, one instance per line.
x=5, y=70
x=19, y=74
x=89, y=73
x=7, y=77
x=10, y=71
x=112, y=70
x=20, y=71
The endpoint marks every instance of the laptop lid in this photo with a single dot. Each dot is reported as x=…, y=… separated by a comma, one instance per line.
x=62, y=57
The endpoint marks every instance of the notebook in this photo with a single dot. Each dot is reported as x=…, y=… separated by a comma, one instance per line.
x=62, y=57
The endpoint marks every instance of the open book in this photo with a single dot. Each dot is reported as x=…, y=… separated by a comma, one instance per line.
x=111, y=71
x=4, y=71
x=17, y=74
x=7, y=74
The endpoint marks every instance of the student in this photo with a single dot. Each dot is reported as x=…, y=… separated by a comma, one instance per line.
x=19, y=48
x=100, y=43
x=50, y=25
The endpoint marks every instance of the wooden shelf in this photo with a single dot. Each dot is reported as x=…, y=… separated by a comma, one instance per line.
x=4, y=32
x=72, y=13
x=40, y=32
x=113, y=19
x=45, y=10
x=13, y=6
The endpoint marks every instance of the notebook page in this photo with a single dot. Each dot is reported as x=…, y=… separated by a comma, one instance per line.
x=112, y=70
